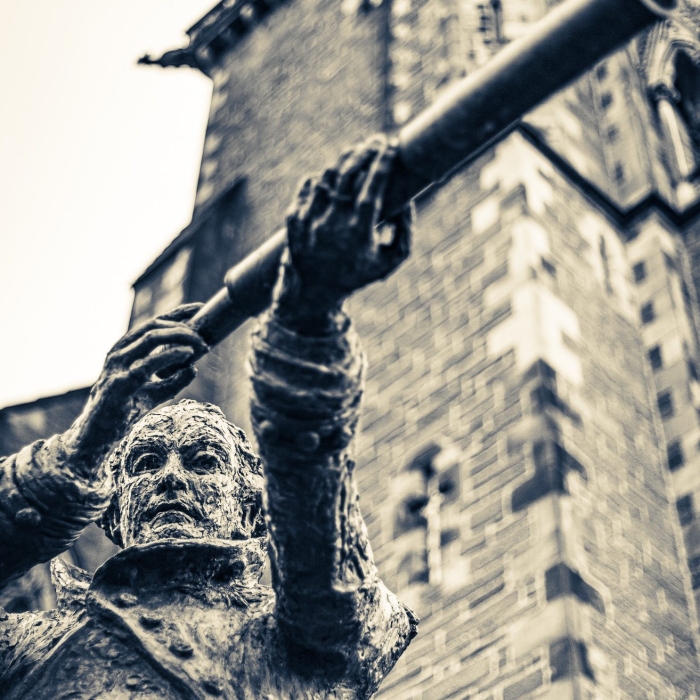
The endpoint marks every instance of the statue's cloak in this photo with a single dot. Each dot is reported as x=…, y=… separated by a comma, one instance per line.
x=170, y=619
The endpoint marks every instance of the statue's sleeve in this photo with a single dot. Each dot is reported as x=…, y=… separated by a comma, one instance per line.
x=306, y=402
x=45, y=503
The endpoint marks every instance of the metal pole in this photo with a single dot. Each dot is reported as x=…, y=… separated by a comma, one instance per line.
x=466, y=118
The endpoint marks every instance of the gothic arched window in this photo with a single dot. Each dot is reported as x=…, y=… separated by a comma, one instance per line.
x=687, y=84
x=423, y=522
x=677, y=97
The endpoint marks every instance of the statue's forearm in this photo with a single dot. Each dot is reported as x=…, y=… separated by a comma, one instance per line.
x=45, y=503
x=306, y=401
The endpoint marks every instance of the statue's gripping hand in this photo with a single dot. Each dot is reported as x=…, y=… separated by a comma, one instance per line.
x=335, y=245
x=146, y=367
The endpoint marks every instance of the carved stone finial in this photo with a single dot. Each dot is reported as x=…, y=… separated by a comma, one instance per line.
x=172, y=59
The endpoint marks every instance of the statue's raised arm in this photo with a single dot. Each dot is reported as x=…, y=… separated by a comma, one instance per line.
x=307, y=372
x=53, y=489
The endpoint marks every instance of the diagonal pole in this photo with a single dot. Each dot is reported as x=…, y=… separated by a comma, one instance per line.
x=468, y=117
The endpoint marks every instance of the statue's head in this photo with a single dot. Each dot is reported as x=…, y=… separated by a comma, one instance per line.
x=185, y=472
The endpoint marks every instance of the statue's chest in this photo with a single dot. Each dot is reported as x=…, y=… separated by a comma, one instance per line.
x=93, y=663
x=162, y=652
x=215, y=645
x=170, y=654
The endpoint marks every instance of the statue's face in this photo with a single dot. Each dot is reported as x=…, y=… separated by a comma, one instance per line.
x=179, y=479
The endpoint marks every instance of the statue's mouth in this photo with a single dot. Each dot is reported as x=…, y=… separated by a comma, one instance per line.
x=170, y=507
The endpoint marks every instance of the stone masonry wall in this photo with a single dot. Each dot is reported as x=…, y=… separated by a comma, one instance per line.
x=668, y=304
x=512, y=336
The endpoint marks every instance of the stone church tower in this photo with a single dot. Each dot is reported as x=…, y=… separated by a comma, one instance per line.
x=529, y=460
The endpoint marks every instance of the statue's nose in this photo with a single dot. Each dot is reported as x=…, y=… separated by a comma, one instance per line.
x=172, y=477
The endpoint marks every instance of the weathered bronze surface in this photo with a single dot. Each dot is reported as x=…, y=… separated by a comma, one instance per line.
x=179, y=611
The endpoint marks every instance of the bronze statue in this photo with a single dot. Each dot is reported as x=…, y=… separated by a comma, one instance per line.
x=179, y=612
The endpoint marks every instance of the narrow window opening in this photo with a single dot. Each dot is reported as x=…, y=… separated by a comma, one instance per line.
x=491, y=21
x=678, y=105
x=437, y=470
x=497, y=9
x=648, y=314
x=687, y=84
x=665, y=402
x=549, y=267
x=676, y=459
x=655, y=358
x=684, y=506
x=640, y=272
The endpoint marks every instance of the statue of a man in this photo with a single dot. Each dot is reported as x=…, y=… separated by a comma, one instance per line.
x=179, y=612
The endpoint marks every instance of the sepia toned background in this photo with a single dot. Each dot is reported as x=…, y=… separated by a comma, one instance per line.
x=529, y=461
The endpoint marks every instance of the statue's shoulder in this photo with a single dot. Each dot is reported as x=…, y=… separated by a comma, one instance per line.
x=26, y=639
x=257, y=599
x=71, y=584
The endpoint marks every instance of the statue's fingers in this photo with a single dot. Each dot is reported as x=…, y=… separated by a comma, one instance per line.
x=342, y=159
x=169, y=320
x=391, y=255
x=341, y=165
x=369, y=201
x=164, y=363
x=304, y=189
x=314, y=208
x=300, y=202
x=131, y=336
x=163, y=389
x=184, y=312
x=320, y=201
x=305, y=199
x=354, y=164
x=161, y=337
x=329, y=178
x=295, y=235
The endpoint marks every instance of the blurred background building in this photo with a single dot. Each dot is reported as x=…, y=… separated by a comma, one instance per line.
x=529, y=460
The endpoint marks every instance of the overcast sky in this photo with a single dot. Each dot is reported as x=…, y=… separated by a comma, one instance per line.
x=99, y=161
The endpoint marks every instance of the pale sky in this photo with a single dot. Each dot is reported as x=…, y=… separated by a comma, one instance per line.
x=99, y=161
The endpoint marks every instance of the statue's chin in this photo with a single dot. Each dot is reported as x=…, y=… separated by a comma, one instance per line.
x=174, y=524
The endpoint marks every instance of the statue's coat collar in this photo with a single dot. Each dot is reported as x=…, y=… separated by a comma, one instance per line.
x=163, y=565
x=71, y=583
x=195, y=563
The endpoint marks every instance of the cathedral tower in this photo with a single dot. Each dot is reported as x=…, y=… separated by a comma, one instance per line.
x=529, y=461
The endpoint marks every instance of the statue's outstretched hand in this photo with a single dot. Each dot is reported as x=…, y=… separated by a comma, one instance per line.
x=146, y=367
x=335, y=247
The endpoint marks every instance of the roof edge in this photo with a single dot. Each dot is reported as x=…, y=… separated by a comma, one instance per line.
x=215, y=34
x=85, y=391
x=190, y=230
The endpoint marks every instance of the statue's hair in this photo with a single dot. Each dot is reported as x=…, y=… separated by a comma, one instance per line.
x=248, y=477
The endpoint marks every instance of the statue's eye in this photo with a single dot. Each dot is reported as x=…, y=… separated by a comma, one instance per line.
x=147, y=462
x=204, y=462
